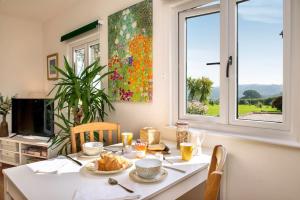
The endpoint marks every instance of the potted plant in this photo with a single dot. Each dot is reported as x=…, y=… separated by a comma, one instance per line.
x=79, y=100
x=5, y=107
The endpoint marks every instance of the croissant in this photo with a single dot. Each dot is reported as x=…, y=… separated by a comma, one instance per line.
x=110, y=162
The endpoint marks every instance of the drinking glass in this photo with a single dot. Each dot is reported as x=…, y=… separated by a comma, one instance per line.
x=186, y=150
x=141, y=148
x=197, y=139
x=127, y=139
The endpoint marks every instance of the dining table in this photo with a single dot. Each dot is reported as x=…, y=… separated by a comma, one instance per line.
x=72, y=180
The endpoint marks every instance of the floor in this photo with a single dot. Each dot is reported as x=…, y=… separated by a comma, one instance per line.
x=3, y=166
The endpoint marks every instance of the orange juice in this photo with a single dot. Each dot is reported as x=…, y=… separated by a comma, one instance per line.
x=186, y=150
x=127, y=138
x=141, y=148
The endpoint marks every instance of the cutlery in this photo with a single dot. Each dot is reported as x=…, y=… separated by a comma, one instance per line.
x=112, y=181
x=113, y=149
x=76, y=161
x=167, y=160
x=42, y=172
x=129, y=197
x=134, y=197
x=175, y=169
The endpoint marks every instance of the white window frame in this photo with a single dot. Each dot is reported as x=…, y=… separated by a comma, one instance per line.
x=228, y=85
x=75, y=48
x=182, y=69
x=285, y=125
x=88, y=48
x=83, y=43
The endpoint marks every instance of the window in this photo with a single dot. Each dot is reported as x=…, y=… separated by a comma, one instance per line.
x=79, y=59
x=260, y=60
x=94, y=52
x=233, y=65
x=202, y=64
x=85, y=53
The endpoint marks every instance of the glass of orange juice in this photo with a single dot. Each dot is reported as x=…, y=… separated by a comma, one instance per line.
x=141, y=148
x=127, y=139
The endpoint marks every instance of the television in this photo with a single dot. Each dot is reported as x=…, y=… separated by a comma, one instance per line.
x=33, y=117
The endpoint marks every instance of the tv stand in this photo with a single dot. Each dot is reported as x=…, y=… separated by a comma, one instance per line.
x=34, y=137
x=20, y=150
x=14, y=135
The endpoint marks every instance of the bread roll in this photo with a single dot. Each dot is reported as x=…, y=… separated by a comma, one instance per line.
x=110, y=162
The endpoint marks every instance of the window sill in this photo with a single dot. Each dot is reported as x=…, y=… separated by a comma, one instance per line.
x=283, y=140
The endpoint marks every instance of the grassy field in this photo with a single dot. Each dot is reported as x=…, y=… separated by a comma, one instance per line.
x=213, y=110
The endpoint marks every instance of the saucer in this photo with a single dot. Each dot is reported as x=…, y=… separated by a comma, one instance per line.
x=83, y=155
x=133, y=175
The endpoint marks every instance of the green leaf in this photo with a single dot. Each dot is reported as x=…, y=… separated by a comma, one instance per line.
x=73, y=92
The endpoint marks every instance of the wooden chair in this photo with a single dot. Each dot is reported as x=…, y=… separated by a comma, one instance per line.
x=90, y=128
x=215, y=173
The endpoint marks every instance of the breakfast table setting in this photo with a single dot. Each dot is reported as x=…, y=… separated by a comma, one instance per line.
x=145, y=168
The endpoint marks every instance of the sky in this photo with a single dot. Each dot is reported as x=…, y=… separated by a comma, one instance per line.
x=260, y=46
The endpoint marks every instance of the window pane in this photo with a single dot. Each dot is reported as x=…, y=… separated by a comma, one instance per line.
x=94, y=53
x=79, y=56
x=203, y=81
x=260, y=60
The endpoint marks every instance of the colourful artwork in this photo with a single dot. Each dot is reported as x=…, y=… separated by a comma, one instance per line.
x=130, y=53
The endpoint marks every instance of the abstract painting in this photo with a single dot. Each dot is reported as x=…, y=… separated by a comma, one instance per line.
x=130, y=53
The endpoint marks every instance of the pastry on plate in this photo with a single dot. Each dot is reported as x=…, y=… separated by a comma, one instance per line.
x=111, y=162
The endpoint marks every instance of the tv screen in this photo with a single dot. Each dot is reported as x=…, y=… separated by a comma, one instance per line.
x=33, y=117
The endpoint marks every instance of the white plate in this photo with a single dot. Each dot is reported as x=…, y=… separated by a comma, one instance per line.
x=82, y=155
x=91, y=167
x=133, y=174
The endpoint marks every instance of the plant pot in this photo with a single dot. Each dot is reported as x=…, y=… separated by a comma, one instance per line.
x=4, y=127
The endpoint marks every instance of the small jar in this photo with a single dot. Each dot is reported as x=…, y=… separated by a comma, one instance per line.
x=182, y=132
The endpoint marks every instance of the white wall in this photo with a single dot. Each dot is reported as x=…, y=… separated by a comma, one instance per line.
x=21, y=57
x=255, y=170
x=260, y=171
x=132, y=116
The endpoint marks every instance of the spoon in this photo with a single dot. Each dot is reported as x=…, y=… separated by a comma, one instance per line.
x=112, y=181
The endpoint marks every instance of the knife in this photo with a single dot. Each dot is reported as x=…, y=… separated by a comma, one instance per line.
x=164, y=158
x=179, y=170
x=76, y=161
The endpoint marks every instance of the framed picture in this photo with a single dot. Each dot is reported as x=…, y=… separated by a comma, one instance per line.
x=130, y=53
x=52, y=61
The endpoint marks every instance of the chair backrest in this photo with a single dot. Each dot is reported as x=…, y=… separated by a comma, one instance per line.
x=91, y=128
x=215, y=173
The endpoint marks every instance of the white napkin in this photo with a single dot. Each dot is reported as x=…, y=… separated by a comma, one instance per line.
x=103, y=192
x=54, y=166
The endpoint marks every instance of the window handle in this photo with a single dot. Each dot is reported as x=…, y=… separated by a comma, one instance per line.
x=281, y=34
x=213, y=63
x=242, y=1
x=229, y=62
